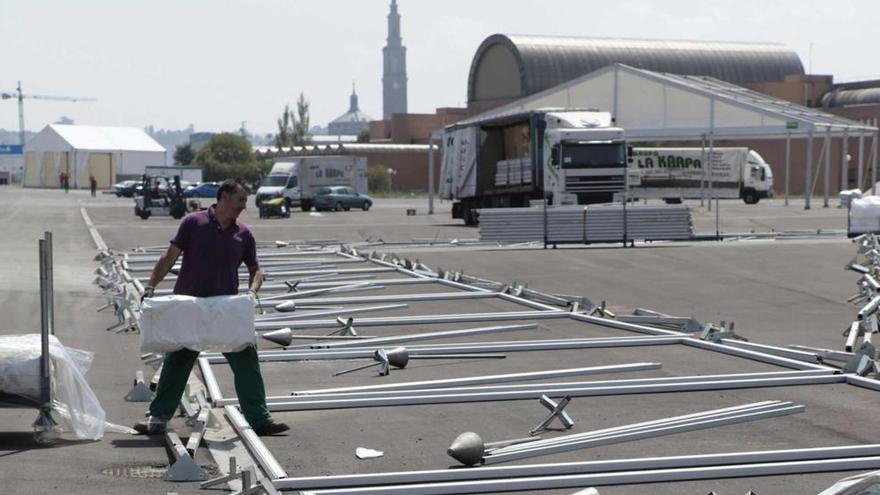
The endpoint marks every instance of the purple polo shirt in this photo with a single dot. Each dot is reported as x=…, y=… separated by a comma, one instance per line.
x=212, y=255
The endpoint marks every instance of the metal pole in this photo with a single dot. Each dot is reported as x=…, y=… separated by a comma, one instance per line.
x=431, y=174
x=50, y=282
x=826, y=179
x=711, y=137
x=874, y=163
x=705, y=168
x=45, y=391
x=808, y=178
x=787, y=164
x=538, y=483
x=569, y=468
x=860, y=174
x=844, y=162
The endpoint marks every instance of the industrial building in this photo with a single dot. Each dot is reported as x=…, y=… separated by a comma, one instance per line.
x=109, y=154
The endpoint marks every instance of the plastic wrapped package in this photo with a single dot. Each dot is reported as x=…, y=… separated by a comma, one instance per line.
x=212, y=324
x=864, y=215
x=75, y=406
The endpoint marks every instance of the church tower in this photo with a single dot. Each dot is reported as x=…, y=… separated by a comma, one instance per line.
x=394, y=72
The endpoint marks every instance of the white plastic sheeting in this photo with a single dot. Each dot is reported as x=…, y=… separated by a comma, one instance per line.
x=75, y=408
x=212, y=324
x=864, y=215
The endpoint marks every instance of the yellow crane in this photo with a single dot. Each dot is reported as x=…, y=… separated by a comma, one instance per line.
x=18, y=95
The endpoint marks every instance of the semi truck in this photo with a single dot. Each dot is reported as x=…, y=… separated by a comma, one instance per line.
x=674, y=174
x=298, y=179
x=566, y=156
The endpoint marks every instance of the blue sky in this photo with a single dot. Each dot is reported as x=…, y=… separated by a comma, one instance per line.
x=217, y=63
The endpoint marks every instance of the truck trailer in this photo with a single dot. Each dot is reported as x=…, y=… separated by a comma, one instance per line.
x=674, y=174
x=298, y=179
x=561, y=155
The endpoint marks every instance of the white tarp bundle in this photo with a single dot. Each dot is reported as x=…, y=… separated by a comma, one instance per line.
x=458, y=178
x=75, y=407
x=212, y=324
x=864, y=215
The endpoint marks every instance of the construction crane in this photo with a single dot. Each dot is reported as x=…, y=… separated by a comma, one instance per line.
x=17, y=94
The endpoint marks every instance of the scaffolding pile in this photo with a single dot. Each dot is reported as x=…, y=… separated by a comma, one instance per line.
x=586, y=224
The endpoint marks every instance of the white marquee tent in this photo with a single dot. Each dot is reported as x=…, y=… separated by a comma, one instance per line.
x=83, y=151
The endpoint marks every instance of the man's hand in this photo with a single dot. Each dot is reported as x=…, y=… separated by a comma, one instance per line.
x=148, y=292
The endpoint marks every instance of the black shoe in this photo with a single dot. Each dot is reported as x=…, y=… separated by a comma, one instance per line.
x=150, y=426
x=270, y=428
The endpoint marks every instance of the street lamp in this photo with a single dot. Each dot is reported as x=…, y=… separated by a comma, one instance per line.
x=391, y=173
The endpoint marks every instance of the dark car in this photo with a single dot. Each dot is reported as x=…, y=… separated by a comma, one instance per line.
x=341, y=198
x=203, y=190
x=125, y=188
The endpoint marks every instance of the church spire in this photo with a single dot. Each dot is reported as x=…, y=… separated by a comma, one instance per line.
x=394, y=73
x=353, y=100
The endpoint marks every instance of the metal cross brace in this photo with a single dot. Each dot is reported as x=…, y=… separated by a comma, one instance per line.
x=556, y=411
x=347, y=327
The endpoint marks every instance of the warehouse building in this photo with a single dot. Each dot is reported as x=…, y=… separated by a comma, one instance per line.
x=109, y=154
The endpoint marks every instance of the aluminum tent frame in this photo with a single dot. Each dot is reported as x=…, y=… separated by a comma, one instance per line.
x=654, y=106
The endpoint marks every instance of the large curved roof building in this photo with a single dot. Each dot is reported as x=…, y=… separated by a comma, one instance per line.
x=512, y=66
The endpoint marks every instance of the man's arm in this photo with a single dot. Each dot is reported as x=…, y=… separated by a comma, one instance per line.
x=255, y=281
x=163, y=266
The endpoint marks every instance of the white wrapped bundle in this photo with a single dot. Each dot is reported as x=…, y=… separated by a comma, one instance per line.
x=75, y=406
x=864, y=215
x=213, y=324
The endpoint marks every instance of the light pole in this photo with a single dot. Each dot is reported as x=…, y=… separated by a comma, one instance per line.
x=391, y=173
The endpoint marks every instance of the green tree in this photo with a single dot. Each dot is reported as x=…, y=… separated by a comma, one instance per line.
x=378, y=179
x=301, y=134
x=228, y=155
x=184, y=154
x=285, y=128
x=364, y=136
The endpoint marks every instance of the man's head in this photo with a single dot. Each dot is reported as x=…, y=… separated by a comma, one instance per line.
x=232, y=197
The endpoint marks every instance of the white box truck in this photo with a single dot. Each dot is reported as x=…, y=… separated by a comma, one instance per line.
x=296, y=179
x=674, y=174
x=566, y=156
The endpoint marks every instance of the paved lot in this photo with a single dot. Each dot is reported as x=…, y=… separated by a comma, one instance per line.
x=777, y=292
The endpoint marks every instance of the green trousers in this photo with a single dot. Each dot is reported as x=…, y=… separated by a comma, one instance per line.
x=248, y=384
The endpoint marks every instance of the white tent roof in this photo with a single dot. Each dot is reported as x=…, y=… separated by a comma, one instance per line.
x=100, y=138
x=658, y=106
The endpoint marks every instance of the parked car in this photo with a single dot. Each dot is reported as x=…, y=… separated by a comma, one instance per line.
x=203, y=190
x=341, y=198
x=125, y=188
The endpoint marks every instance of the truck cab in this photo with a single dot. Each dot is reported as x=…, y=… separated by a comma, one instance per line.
x=757, y=180
x=282, y=182
x=584, y=158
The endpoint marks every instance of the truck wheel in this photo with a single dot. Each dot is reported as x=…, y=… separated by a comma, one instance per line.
x=750, y=198
x=338, y=206
x=145, y=214
x=672, y=201
x=305, y=205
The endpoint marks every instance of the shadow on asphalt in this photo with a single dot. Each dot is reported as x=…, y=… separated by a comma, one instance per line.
x=22, y=441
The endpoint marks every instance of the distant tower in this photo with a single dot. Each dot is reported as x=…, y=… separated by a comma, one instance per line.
x=394, y=73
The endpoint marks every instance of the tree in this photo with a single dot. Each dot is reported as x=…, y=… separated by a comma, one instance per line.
x=184, y=154
x=301, y=134
x=364, y=136
x=378, y=179
x=285, y=128
x=226, y=156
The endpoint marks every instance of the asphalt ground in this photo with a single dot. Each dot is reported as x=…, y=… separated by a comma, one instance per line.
x=777, y=291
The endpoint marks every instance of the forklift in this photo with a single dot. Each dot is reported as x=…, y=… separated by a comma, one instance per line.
x=160, y=196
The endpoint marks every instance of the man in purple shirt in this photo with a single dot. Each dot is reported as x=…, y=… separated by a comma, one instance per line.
x=214, y=244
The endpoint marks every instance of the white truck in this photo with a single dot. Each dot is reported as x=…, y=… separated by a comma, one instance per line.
x=562, y=155
x=298, y=178
x=674, y=174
